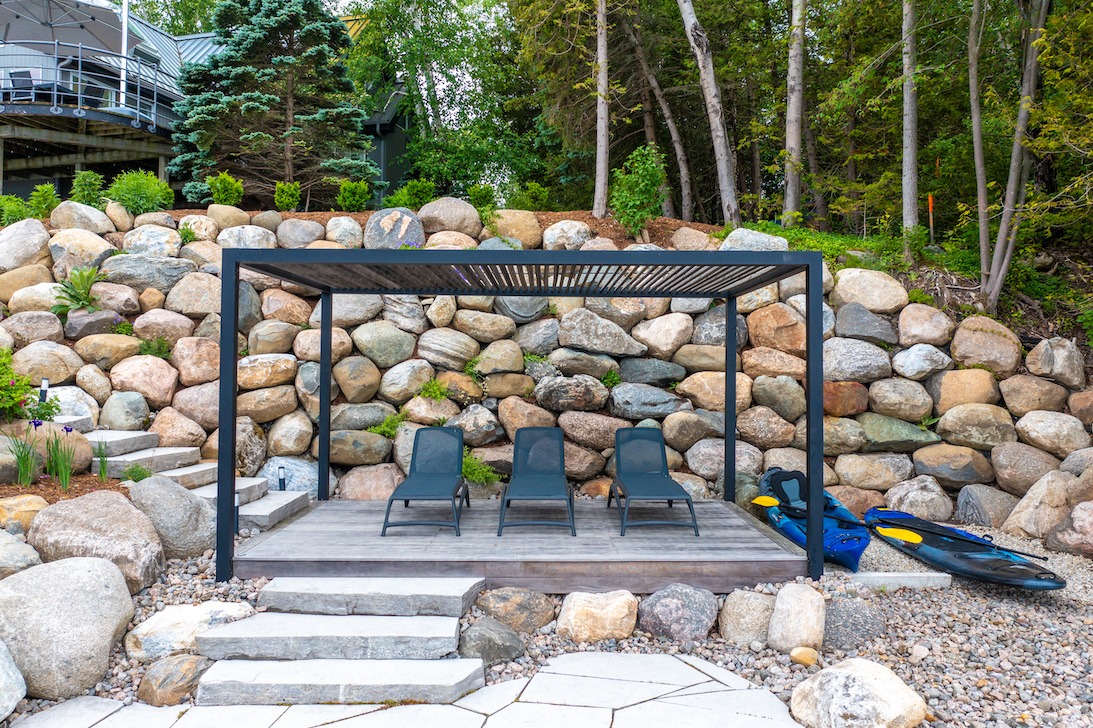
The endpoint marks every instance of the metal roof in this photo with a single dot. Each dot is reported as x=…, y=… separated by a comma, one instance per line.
x=198, y=47
x=526, y=273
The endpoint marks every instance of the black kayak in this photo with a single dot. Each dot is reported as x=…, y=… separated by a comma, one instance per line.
x=958, y=552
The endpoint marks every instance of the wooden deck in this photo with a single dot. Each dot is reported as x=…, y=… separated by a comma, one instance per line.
x=342, y=538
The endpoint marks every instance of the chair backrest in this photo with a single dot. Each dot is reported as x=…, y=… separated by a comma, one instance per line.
x=640, y=451
x=538, y=451
x=437, y=451
x=21, y=79
x=790, y=487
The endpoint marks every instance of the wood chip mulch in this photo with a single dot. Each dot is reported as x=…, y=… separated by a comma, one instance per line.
x=50, y=489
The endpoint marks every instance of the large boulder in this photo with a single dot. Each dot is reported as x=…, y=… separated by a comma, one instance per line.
x=151, y=376
x=797, y=619
x=980, y=341
x=523, y=610
x=982, y=505
x=384, y=343
x=857, y=692
x=47, y=360
x=76, y=248
x=1023, y=393
x=450, y=213
x=953, y=466
x=980, y=426
x=587, y=617
x=248, y=237
x=13, y=687
x=572, y=234
x=197, y=360
x=490, y=641
x=60, y=621
x=855, y=321
x=519, y=224
x=24, y=243
x=30, y=326
x=664, y=335
x=171, y=680
x=345, y=231
x=15, y=555
x=874, y=289
x=1073, y=535
x=854, y=360
x=516, y=413
x=680, y=612
x=745, y=616
x=1058, y=359
x=70, y=214
x=174, y=629
x=639, y=401
x=152, y=240
x=922, y=324
x=581, y=392
x=370, y=482
x=102, y=524
x=1057, y=433
x=923, y=497
x=186, y=524
x=874, y=471
x=582, y=329
x=1017, y=466
x=227, y=216
x=965, y=386
x=392, y=228
x=175, y=429
x=300, y=474
x=297, y=233
x=147, y=271
x=903, y=399
x=402, y=381
x=921, y=361
x=753, y=240
x=1047, y=504
x=196, y=296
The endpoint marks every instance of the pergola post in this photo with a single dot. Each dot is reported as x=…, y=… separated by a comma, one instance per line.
x=326, y=303
x=814, y=387
x=730, y=399
x=225, y=471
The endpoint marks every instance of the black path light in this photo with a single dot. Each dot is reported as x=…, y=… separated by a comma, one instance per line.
x=626, y=274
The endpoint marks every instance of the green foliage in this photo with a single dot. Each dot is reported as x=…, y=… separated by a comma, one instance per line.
x=917, y=295
x=1085, y=320
x=225, y=189
x=76, y=292
x=12, y=210
x=484, y=199
x=46, y=411
x=389, y=427
x=412, y=195
x=354, y=196
x=26, y=457
x=123, y=327
x=178, y=17
x=16, y=391
x=60, y=454
x=476, y=471
x=158, y=346
x=136, y=473
x=100, y=459
x=530, y=358
x=433, y=389
x=87, y=189
x=552, y=309
x=532, y=196
x=43, y=200
x=140, y=191
x=672, y=386
x=471, y=369
x=186, y=234
x=636, y=194
x=927, y=422
x=611, y=379
x=286, y=196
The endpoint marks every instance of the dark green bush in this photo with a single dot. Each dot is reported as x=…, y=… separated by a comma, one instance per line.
x=353, y=196
x=413, y=195
x=76, y=292
x=140, y=191
x=286, y=196
x=225, y=189
x=636, y=189
x=533, y=196
x=12, y=210
x=87, y=189
x=484, y=199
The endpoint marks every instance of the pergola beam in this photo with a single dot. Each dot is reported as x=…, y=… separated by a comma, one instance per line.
x=69, y=160
x=52, y=136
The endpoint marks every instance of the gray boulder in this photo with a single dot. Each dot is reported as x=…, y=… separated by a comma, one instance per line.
x=538, y=337
x=297, y=233
x=23, y=243
x=491, y=641
x=679, y=612
x=405, y=312
x=247, y=236
x=70, y=214
x=350, y=309
x=922, y=496
x=855, y=321
x=185, y=523
x=125, y=411
x=744, y=617
x=1018, y=466
x=582, y=329
x=982, y=505
x=860, y=693
x=147, y=271
x=521, y=309
x=921, y=361
x=61, y=620
x=1078, y=461
x=300, y=474
x=853, y=360
x=581, y=392
x=744, y=239
x=13, y=687
x=392, y=228
x=638, y=401
x=655, y=372
x=479, y=425
x=15, y=556
x=450, y=213
x=572, y=362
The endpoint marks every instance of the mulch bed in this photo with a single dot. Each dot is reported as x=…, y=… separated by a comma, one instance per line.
x=50, y=489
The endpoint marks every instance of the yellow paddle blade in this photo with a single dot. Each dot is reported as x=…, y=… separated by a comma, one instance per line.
x=901, y=533
x=765, y=501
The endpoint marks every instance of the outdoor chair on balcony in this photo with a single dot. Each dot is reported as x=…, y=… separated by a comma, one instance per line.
x=642, y=475
x=538, y=474
x=436, y=474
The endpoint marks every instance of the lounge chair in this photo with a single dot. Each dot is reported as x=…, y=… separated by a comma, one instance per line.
x=642, y=475
x=436, y=474
x=538, y=474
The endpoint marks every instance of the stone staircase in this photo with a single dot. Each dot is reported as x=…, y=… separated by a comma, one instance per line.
x=344, y=640
x=259, y=507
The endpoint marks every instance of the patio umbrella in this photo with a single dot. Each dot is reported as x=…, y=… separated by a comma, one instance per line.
x=94, y=24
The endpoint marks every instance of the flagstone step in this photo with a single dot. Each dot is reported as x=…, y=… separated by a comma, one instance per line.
x=265, y=682
x=122, y=442
x=192, y=476
x=279, y=636
x=156, y=459
x=79, y=423
x=276, y=506
x=367, y=595
x=248, y=490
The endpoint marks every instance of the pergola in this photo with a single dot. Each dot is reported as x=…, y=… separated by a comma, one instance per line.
x=627, y=274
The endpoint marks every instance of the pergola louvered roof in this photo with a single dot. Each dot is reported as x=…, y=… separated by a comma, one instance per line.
x=525, y=273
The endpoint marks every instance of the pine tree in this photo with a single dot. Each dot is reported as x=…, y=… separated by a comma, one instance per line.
x=275, y=104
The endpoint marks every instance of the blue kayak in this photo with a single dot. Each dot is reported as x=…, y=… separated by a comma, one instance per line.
x=958, y=552
x=845, y=538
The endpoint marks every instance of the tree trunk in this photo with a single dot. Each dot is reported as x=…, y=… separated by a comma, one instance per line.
x=910, y=128
x=724, y=154
x=1006, y=239
x=682, y=162
x=795, y=98
x=975, y=34
x=599, y=200
x=290, y=122
x=756, y=208
x=819, y=202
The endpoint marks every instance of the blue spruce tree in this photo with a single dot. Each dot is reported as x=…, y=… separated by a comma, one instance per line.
x=275, y=104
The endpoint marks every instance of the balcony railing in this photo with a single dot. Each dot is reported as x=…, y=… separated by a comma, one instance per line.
x=81, y=81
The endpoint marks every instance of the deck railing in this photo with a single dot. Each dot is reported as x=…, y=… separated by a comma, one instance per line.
x=73, y=79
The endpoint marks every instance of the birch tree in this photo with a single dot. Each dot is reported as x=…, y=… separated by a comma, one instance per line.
x=603, y=119
x=795, y=98
x=975, y=41
x=910, y=128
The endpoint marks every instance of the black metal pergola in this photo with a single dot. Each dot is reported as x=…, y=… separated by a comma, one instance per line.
x=626, y=274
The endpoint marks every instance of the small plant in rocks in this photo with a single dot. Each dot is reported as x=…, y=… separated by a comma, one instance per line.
x=225, y=189
x=19, y=398
x=611, y=379
x=476, y=471
x=530, y=358
x=100, y=459
x=484, y=199
x=471, y=369
x=60, y=454
x=158, y=346
x=186, y=234
x=26, y=457
x=672, y=386
x=434, y=390
x=123, y=327
x=43, y=200
x=136, y=472
x=140, y=191
x=87, y=189
x=286, y=196
x=76, y=292
x=389, y=427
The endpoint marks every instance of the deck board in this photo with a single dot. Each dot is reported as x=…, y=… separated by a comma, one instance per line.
x=341, y=538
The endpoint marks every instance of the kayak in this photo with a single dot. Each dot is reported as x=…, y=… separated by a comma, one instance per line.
x=958, y=552
x=845, y=537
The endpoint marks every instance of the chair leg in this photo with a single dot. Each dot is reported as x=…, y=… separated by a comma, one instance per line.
x=455, y=517
x=694, y=521
x=625, y=513
x=669, y=502
x=504, y=505
x=406, y=504
x=610, y=492
x=569, y=505
x=386, y=517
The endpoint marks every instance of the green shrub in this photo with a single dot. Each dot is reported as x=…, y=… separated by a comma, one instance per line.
x=123, y=327
x=16, y=391
x=26, y=457
x=533, y=196
x=636, y=189
x=1085, y=319
x=286, y=196
x=433, y=389
x=413, y=195
x=186, y=234
x=471, y=369
x=917, y=295
x=484, y=199
x=136, y=472
x=611, y=379
x=12, y=210
x=43, y=200
x=140, y=191
x=533, y=359
x=225, y=189
x=353, y=196
x=87, y=189
x=100, y=459
x=158, y=346
x=476, y=471
x=389, y=427
x=76, y=292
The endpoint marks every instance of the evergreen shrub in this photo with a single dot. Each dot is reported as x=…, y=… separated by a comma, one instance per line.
x=140, y=191
x=413, y=195
x=286, y=196
x=353, y=196
x=225, y=189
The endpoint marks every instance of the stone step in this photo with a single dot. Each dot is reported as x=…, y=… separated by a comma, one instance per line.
x=122, y=442
x=278, y=636
x=79, y=423
x=192, y=476
x=248, y=490
x=156, y=459
x=403, y=597
x=276, y=506
x=304, y=682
